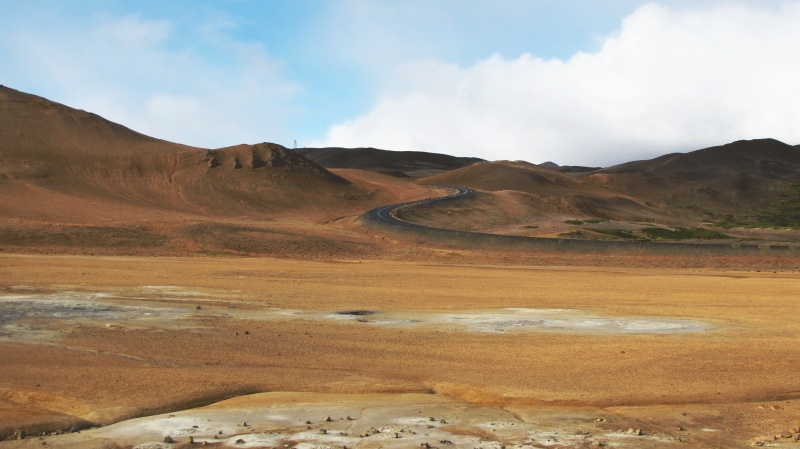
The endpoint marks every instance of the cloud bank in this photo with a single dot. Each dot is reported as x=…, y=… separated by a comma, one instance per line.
x=670, y=80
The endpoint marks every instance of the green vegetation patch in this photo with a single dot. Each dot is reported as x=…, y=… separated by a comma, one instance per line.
x=531, y=227
x=573, y=234
x=684, y=234
x=785, y=214
x=580, y=222
x=621, y=233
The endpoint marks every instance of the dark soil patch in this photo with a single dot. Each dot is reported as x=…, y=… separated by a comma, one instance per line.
x=357, y=312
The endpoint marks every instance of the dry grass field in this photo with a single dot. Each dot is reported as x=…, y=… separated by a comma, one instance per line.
x=97, y=340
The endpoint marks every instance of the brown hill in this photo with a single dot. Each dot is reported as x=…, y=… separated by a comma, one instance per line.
x=519, y=192
x=413, y=164
x=741, y=178
x=73, y=181
x=50, y=150
x=506, y=175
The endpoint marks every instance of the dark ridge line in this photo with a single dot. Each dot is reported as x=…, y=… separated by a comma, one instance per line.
x=385, y=216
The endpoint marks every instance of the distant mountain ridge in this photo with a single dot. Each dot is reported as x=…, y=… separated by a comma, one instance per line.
x=767, y=158
x=568, y=168
x=739, y=178
x=398, y=163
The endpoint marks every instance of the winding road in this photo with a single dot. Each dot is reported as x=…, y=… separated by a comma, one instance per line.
x=386, y=214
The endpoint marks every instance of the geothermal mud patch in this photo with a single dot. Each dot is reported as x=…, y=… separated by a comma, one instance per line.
x=303, y=421
x=523, y=319
x=37, y=317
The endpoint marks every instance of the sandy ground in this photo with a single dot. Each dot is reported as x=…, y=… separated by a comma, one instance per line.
x=553, y=356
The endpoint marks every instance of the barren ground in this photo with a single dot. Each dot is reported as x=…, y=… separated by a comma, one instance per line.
x=489, y=348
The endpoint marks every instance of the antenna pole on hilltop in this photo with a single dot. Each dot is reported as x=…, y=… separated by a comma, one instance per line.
x=295, y=144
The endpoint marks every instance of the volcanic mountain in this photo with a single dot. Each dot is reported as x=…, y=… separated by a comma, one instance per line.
x=56, y=160
x=743, y=178
x=72, y=179
x=412, y=164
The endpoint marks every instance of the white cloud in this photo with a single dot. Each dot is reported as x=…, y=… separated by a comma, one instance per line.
x=131, y=31
x=670, y=80
x=209, y=90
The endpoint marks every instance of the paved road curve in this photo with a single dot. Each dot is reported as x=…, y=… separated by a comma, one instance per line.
x=386, y=214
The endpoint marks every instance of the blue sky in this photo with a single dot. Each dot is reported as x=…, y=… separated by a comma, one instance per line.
x=576, y=82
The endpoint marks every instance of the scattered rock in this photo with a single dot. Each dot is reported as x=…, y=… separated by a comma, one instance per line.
x=308, y=422
x=74, y=428
x=633, y=431
x=168, y=439
x=244, y=424
x=349, y=418
x=18, y=435
x=240, y=441
x=323, y=432
x=190, y=440
x=198, y=308
x=443, y=421
x=445, y=442
x=328, y=419
x=431, y=419
x=247, y=332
